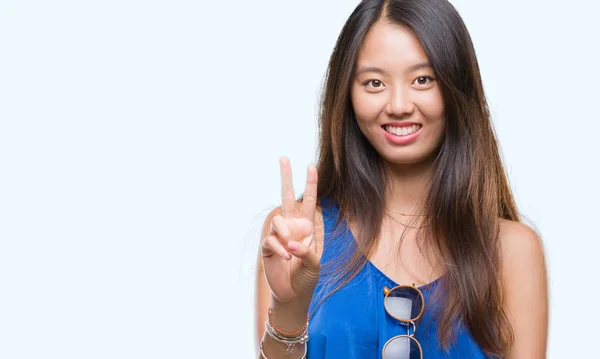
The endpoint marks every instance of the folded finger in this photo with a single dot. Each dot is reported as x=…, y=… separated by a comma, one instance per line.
x=279, y=227
x=271, y=245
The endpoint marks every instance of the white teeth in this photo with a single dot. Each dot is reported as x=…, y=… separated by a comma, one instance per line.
x=402, y=131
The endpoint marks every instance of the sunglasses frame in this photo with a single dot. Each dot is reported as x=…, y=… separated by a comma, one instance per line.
x=386, y=292
x=412, y=337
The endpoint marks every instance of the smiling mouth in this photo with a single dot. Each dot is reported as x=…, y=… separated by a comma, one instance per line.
x=402, y=131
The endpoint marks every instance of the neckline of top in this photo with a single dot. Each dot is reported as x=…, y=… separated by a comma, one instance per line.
x=378, y=272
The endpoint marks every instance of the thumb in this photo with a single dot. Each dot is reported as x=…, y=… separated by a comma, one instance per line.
x=307, y=255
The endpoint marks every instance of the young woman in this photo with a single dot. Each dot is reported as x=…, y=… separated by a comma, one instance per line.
x=409, y=245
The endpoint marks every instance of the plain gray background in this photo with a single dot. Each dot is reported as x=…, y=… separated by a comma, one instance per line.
x=139, y=146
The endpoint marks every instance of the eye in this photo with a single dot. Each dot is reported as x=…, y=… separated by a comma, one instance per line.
x=374, y=83
x=423, y=80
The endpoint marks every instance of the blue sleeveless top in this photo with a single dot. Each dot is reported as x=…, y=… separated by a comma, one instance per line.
x=352, y=322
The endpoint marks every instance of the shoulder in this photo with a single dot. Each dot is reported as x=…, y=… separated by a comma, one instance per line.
x=522, y=253
x=520, y=245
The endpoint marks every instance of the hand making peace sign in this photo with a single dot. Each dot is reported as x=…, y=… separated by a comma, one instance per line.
x=289, y=252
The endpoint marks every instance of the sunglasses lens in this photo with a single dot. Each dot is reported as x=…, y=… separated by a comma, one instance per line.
x=404, y=303
x=402, y=347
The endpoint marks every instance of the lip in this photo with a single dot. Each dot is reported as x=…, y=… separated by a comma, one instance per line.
x=402, y=140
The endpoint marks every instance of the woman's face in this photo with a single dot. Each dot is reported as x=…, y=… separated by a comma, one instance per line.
x=395, y=96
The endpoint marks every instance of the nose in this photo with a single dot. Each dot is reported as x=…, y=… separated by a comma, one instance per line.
x=400, y=103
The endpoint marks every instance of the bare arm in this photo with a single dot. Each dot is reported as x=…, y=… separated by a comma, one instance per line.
x=288, y=266
x=263, y=302
x=262, y=290
x=526, y=289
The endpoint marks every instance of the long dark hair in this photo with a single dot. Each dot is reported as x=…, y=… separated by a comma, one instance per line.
x=469, y=190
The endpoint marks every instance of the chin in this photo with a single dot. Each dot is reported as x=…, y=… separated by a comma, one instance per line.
x=409, y=157
x=404, y=161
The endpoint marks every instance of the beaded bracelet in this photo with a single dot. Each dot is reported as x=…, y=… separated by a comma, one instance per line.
x=286, y=334
x=302, y=338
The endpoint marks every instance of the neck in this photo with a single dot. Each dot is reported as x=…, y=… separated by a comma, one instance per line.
x=407, y=186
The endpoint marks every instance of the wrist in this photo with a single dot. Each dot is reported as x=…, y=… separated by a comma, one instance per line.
x=289, y=317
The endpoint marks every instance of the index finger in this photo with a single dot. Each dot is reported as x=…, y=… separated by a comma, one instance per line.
x=288, y=199
x=309, y=200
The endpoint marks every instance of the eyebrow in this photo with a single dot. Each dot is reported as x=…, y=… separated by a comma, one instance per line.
x=415, y=67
